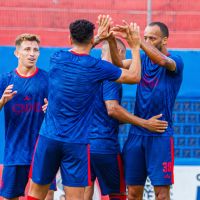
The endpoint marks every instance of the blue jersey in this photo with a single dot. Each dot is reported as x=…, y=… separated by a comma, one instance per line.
x=74, y=81
x=156, y=93
x=23, y=115
x=104, y=129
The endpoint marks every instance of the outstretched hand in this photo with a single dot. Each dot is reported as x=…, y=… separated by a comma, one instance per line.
x=129, y=32
x=8, y=94
x=104, y=24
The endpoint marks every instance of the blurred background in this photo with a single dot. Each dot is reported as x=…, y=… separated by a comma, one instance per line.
x=50, y=19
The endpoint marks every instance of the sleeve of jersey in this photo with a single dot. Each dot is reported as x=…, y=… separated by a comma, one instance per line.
x=111, y=91
x=107, y=71
x=179, y=64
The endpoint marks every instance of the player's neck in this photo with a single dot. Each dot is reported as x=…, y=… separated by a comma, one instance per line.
x=26, y=71
x=81, y=49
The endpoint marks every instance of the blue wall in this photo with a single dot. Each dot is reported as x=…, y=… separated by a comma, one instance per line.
x=189, y=88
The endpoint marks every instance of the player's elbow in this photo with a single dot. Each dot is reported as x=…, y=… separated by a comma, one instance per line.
x=162, y=62
x=134, y=79
x=112, y=111
x=170, y=65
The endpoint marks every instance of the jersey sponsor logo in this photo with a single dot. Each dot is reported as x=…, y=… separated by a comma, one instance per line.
x=27, y=107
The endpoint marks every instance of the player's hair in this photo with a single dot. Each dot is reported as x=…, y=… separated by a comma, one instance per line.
x=163, y=28
x=26, y=37
x=81, y=31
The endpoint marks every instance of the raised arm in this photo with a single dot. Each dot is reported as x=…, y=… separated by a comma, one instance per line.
x=158, y=57
x=132, y=35
x=118, y=112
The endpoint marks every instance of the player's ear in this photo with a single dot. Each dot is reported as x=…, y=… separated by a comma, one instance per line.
x=92, y=41
x=164, y=41
x=16, y=53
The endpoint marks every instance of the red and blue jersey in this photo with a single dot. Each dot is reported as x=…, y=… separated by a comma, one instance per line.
x=156, y=93
x=74, y=81
x=23, y=115
x=104, y=129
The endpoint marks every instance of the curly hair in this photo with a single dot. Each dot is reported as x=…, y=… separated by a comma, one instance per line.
x=81, y=31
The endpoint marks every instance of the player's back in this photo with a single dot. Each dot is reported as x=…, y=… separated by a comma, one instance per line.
x=73, y=82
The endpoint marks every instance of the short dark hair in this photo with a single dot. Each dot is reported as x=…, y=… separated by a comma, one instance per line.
x=26, y=37
x=163, y=28
x=81, y=31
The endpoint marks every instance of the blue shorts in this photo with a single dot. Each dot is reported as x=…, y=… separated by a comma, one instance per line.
x=107, y=168
x=73, y=160
x=151, y=156
x=14, y=181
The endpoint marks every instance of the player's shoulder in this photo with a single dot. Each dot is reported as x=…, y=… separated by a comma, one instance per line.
x=66, y=56
x=175, y=56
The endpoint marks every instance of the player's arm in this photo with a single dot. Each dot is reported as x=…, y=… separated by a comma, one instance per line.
x=8, y=94
x=158, y=57
x=125, y=64
x=133, y=74
x=116, y=111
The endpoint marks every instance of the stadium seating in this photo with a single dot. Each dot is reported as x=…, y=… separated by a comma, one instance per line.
x=50, y=18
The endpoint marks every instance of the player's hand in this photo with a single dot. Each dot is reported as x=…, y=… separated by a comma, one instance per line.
x=134, y=39
x=129, y=32
x=155, y=125
x=104, y=24
x=44, y=107
x=8, y=94
x=120, y=31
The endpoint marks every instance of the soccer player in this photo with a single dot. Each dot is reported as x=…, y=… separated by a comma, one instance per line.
x=74, y=80
x=22, y=93
x=146, y=153
x=106, y=163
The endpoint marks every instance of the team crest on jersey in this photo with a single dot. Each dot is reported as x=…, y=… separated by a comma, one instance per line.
x=27, y=98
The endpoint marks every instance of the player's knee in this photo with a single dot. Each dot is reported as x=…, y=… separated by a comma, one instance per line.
x=50, y=195
x=88, y=194
x=135, y=192
x=162, y=195
x=38, y=191
x=134, y=195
